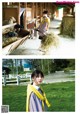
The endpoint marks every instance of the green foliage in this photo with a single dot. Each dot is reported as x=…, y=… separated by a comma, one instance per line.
x=60, y=95
x=45, y=65
x=63, y=64
x=68, y=69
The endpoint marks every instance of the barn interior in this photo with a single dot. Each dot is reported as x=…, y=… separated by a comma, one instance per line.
x=28, y=16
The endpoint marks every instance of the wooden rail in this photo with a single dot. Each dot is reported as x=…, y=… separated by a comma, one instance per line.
x=8, y=49
x=7, y=26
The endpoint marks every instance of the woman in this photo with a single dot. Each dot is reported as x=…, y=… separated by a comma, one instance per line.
x=44, y=25
x=36, y=98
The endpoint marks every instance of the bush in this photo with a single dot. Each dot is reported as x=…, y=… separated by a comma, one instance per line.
x=68, y=69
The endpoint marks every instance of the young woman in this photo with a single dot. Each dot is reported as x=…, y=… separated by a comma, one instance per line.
x=44, y=25
x=36, y=98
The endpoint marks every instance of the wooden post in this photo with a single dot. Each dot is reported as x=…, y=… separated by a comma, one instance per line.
x=25, y=16
x=46, y=6
x=49, y=7
x=32, y=10
x=41, y=7
x=4, y=78
x=36, y=9
x=19, y=13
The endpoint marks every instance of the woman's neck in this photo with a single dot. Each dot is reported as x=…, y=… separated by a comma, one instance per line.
x=35, y=84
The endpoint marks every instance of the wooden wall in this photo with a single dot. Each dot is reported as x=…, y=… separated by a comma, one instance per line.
x=9, y=12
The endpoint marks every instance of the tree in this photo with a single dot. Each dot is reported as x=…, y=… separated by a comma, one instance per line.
x=45, y=65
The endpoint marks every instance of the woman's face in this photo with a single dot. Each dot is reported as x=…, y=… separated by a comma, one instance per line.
x=37, y=80
x=44, y=15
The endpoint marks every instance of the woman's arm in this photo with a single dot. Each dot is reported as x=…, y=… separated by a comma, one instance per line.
x=35, y=103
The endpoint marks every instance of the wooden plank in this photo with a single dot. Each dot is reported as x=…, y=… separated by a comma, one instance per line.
x=8, y=49
x=25, y=16
x=32, y=10
x=41, y=6
x=7, y=26
x=18, y=13
x=36, y=9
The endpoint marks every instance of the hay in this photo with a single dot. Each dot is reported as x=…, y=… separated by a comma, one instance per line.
x=49, y=40
x=7, y=41
x=68, y=26
x=7, y=30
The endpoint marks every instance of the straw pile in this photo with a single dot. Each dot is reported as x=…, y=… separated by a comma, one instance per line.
x=7, y=41
x=7, y=30
x=49, y=40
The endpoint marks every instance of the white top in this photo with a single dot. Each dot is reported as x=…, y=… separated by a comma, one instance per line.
x=37, y=87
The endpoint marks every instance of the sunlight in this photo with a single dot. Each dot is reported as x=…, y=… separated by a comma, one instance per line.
x=60, y=13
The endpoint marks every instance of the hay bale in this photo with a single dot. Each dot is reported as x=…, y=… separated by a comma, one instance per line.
x=68, y=26
x=49, y=40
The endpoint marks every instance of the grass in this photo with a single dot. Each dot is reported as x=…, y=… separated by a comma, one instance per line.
x=60, y=95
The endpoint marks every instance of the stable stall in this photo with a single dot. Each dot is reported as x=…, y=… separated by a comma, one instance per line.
x=11, y=40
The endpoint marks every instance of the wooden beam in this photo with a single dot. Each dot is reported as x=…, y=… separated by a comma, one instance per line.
x=41, y=7
x=7, y=26
x=46, y=6
x=25, y=16
x=36, y=9
x=19, y=13
x=33, y=10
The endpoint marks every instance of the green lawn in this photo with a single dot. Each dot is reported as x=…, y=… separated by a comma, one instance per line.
x=60, y=95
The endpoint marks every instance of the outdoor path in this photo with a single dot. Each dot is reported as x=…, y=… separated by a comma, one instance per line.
x=66, y=45
x=54, y=78
x=59, y=77
x=66, y=48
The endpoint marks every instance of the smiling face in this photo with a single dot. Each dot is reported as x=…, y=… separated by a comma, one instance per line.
x=37, y=80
